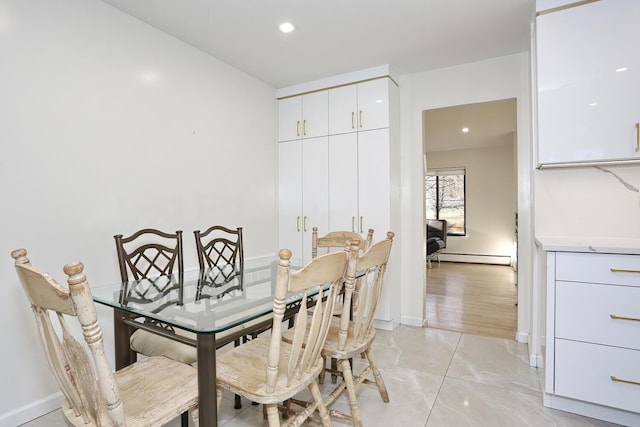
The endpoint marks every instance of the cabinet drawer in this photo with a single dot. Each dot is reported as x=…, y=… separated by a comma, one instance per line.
x=598, y=268
x=583, y=372
x=583, y=313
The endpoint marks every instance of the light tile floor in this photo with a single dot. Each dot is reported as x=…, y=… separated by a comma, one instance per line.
x=435, y=378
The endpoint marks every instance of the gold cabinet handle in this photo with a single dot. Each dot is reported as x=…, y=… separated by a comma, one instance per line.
x=623, y=270
x=297, y=127
x=360, y=118
x=615, y=316
x=353, y=117
x=304, y=224
x=298, y=223
x=304, y=127
x=620, y=380
x=361, y=226
x=637, y=136
x=353, y=224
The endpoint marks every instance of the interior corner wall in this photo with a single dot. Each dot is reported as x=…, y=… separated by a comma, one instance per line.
x=108, y=126
x=493, y=79
x=490, y=201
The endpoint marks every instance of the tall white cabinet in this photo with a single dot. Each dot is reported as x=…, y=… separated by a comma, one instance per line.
x=359, y=157
x=588, y=80
x=340, y=177
x=303, y=159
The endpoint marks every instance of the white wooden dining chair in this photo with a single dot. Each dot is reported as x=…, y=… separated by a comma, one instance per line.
x=268, y=370
x=335, y=240
x=332, y=241
x=150, y=392
x=352, y=334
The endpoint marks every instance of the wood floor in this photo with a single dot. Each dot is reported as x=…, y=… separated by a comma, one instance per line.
x=478, y=299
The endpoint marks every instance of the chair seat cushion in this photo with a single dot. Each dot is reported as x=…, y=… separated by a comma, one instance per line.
x=434, y=244
x=243, y=370
x=150, y=344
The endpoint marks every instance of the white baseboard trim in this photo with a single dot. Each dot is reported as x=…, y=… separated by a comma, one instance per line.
x=522, y=337
x=385, y=325
x=31, y=410
x=412, y=321
x=536, y=361
x=476, y=259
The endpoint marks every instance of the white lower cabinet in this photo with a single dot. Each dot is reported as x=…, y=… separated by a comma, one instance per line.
x=592, y=358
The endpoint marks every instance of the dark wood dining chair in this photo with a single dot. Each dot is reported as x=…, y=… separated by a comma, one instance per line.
x=150, y=392
x=143, y=255
x=220, y=257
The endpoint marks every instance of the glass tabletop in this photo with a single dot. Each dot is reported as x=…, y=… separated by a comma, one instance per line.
x=209, y=301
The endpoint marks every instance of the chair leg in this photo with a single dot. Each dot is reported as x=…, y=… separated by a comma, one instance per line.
x=322, y=409
x=382, y=388
x=237, y=402
x=324, y=370
x=273, y=415
x=334, y=368
x=347, y=375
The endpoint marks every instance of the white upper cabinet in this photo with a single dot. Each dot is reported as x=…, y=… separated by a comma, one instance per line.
x=304, y=116
x=588, y=78
x=363, y=106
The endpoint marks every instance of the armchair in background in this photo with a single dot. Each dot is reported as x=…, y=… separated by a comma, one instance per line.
x=436, y=238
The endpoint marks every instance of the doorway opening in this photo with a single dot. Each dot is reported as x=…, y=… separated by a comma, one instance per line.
x=472, y=287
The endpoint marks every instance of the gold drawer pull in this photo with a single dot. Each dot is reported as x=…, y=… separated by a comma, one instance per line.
x=623, y=270
x=620, y=380
x=637, y=136
x=615, y=316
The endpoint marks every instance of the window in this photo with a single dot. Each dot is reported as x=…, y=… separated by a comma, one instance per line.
x=445, y=198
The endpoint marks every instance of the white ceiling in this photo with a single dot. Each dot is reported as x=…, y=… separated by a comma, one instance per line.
x=339, y=36
x=489, y=123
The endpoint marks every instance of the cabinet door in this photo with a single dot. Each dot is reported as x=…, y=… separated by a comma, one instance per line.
x=290, y=197
x=343, y=108
x=343, y=183
x=315, y=114
x=588, y=82
x=373, y=104
x=374, y=186
x=315, y=189
x=289, y=118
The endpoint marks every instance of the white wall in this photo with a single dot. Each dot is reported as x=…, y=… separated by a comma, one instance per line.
x=108, y=126
x=490, y=80
x=490, y=201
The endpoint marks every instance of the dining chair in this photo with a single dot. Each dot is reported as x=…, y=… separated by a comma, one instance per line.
x=268, y=370
x=336, y=240
x=353, y=333
x=150, y=392
x=145, y=254
x=221, y=256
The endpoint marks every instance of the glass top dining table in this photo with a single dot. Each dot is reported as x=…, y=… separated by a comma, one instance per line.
x=205, y=302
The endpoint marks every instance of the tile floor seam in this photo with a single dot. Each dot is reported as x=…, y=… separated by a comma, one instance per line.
x=444, y=377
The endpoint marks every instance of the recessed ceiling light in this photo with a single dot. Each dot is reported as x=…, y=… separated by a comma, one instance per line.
x=593, y=104
x=465, y=130
x=286, y=27
x=621, y=69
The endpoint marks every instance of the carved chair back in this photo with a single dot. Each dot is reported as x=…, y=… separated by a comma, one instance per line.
x=324, y=275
